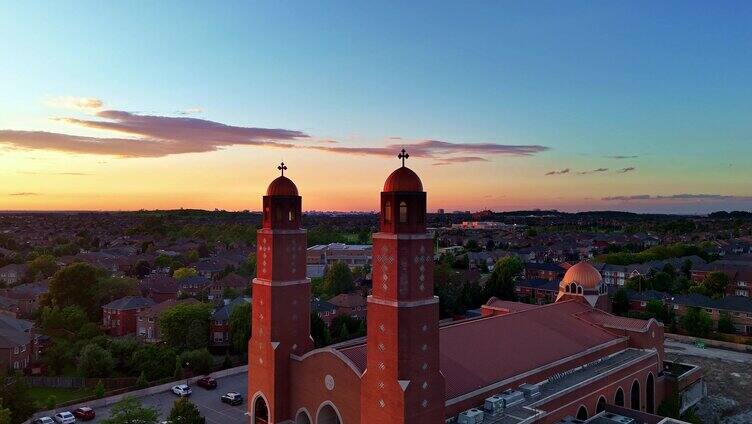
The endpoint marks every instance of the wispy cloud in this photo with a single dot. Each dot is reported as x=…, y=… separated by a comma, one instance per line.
x=77, y=174
x=559, y=172
x=678, y=197
x=622, y=157
x=627, y=169
x=23, y=193
x=70, y=102
x=156, y=136
x=594, y=171
x=190, y=111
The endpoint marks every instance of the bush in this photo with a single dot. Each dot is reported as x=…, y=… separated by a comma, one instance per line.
x=200, y=361
x=99, y=390
x=95, y=361
x=142, y=382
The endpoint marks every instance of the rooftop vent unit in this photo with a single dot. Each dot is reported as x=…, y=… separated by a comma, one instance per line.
x=530, y=390
x=512, y=398
x=617, y=419
x=494, y=405
x=471, y=416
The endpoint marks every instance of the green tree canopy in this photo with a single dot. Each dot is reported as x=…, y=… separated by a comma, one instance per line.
x=76, y=284
x=338, y=279
x=41, y=267
x=725, y=324
x=17, y=399
x=240, y=327
x=319, y=331
x=95, y=361
x=186, y=326
x=183, y=273
x=155, y=362
x=697, y=323
x=185, y=412
x=501, y=282
x=111, y=288
x=70, y=318
x=200, y=361
x=131, y=411
x=713, y=285
x=620, y=304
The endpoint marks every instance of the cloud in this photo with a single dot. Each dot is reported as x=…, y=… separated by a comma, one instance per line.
x=679, y=197
x=459, y=159
x=594, y=171
x=560, y=172
x=53, y=173
x=69, y=102
x=23, y=193
x=144, y=135
x=190, y=111
x=625, y=170
x=622, y=157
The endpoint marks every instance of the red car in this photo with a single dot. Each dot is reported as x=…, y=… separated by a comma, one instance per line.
x=207, y=383
x=84, y=413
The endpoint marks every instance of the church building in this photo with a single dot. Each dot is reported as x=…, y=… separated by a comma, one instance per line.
x=516, y=363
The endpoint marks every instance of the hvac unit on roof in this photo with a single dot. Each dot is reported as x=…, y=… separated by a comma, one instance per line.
x=494, y=405
x=512, y=398
x=530, y=390
x=471, y=416
x=617, y=419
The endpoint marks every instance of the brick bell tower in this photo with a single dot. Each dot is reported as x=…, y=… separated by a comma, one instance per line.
x=281, y=303
x=402, y=382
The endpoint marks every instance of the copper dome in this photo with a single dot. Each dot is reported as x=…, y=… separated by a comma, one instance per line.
x=583, y=274
x=282, y=186
x=403, y=179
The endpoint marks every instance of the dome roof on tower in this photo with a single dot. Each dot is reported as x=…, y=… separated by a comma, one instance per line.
x=282, y=186
x=403, y=179
x=583, y=274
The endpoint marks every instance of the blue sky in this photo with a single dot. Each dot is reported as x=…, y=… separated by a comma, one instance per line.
x=667, y=82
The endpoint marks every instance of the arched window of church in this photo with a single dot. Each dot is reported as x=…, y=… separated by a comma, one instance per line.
x=388, y=211
x=579, y=289
x=266, y=213
x=290, y=215
x=403, y=212
x=566, y=288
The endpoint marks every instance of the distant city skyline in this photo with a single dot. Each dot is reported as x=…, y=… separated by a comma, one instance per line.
x=641, y=106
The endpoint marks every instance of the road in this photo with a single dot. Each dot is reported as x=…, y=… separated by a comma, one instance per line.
x=709, y=352
x=207, y=401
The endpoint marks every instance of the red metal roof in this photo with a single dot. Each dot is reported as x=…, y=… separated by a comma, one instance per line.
x=282, y=186
x=480, y=352
x=403, y=179
x=604, y=319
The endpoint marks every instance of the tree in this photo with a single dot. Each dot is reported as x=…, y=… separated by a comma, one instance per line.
x=16, y=398
x=472, y=245
x=191, y=256
x=200, y=361
x=142, y=382
x=154, y=362
x=697, y=322
x=186, y=326
x=501, y=282
x=183, y=273
x=620, y=304
x=122, y=350
x=319, y=331
x=95, y=361
x=58, y=356
x=240, y=327
x=129, y=411
x=185, y=412
x=725, y=324
x=41, y=267
x=141, y=269
x=70, y=318
x=5, y=416
x=110, y=288
x=713, y=285
x=338, y=279
x=230, y=293
x=76, y=285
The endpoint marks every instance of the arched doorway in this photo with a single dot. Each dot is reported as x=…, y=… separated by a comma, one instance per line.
x=634, y=399
x=327, y=415
x=619, y=398
x=302, y=418
x=601, y=405
x=582, y=413
x=260, y=411
x=650, y=394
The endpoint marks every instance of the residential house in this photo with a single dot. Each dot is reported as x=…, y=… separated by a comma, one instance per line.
x=220, y=321
x=17, y=347
x=350, y=304
x=231, y=281
x=194, y=286
x=148, y=319
x=543, y=271
x=27, y=297
x=120, y=316
x=325, y=310
x=539, y=291
x=354, y=255
x=739, y=309
x=12, y=273
x=159, y=287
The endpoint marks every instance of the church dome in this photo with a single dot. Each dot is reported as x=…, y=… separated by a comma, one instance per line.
x=584, y=275
x=403, y=179
x=282, y=186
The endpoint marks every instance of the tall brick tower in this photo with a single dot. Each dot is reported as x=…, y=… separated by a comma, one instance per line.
x=403, y=383
x=281, y=303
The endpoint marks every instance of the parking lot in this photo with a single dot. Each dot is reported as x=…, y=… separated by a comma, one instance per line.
x=207, y=401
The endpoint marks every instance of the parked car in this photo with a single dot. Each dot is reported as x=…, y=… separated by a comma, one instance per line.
x=232, y=398
x=65, y=417
x=207, y=383
x=181, y=390
x=44, y=420
x=84, y=413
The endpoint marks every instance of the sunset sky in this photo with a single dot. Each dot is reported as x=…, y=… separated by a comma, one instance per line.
x=638, y=106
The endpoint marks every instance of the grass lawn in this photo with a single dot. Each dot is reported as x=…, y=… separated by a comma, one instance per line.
x=40, y=395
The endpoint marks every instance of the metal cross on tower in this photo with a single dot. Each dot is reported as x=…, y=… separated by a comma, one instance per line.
x=403, y=155
x=282, y=168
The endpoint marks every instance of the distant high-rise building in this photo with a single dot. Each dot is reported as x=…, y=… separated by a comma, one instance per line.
x=440, y=211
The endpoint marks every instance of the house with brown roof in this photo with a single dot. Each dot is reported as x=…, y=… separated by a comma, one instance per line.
x=17, y=338
x=350, y=304
x=119, y=317
x=230, y=281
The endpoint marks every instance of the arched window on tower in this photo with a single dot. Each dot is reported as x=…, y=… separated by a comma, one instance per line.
x=566, y=288
x=403, y=212
x=579, y=289
x=290, y=215
x=266, y=213
x=388, y=212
